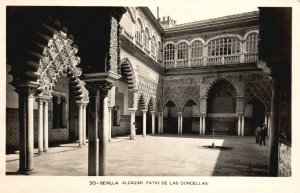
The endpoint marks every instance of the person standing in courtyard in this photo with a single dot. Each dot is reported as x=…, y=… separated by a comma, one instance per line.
x=133, y=128
x=263, y=134
x=257, y=134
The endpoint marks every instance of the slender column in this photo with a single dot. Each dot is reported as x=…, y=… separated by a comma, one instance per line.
x=200, y=129
x=266, y=119
x=132, y=120
x=204, y=125
x=269, y=124
x=239, y=125
x=103, y=136
x=181, y=122
x=30, y=134
x=46, y=138
x=273, y=139
x=109, y=123
x=40, y=129
x=93, y=120
x=144, y=122
x=84, y=124
x=162, y=123
x=159, y=122
x=22, y=96
x=243, y=125
x=153, y=122
x=80, y=123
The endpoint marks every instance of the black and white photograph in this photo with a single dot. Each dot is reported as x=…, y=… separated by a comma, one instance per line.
x=152, y=97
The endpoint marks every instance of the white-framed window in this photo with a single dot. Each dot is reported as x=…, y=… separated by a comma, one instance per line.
x=139, y=32
x=169, y=52
x=182, y=51
x=224, y=46
x=146, y=39
x=196, y=49
x=159, y=51
x=252, y=43
x=153, y=46
x=126, y=23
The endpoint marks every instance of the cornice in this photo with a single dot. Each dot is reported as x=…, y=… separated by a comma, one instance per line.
x=216, y=23
x=152, y=19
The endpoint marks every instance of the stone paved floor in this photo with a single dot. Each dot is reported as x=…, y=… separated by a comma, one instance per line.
x=167, y=155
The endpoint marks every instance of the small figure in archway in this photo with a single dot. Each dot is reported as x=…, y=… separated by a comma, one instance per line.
x=263, y=134
x=257, y=134
x=133, y=132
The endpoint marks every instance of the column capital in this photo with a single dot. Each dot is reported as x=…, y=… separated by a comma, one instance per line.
x=203, y=114
x=179, y=113
x=153, y=112
x=144, y=111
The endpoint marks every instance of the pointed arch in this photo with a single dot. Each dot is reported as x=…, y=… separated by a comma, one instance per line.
x=151, y=104
x=190, y=101
x=128, y=73
x=171, y=103
x=236, y=90
x=57, y=55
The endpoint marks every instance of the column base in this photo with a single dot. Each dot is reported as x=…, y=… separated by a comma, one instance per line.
x=25, y=172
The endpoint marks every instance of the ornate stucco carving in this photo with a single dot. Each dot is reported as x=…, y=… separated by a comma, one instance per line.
x=59, y=57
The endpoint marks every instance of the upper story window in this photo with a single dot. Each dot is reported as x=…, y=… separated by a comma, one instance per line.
x=139, y=32
x=252, y=43
x=182, y=52
x=197, y=49
x=126, y=23
x=224, y=46
x=159, y=51
x=146, y=39
x=169, y=52
x=153, y=46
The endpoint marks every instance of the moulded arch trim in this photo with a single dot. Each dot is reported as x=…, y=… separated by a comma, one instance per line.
x=151, y=104
x=169, y=42
x=200, y=39
x=236, y=90
x=142, y=102
x=224, y=36
x=127, y=68
x=170, y=100
x=131, y=13
x=250, y=32
x=139, y=19
x=190, y=99
x=260, y=101
x=181, y=41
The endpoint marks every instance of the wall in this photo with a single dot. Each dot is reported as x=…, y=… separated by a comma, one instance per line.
x=284, y=165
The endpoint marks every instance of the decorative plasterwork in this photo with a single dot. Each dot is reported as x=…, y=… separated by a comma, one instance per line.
x=59, y=57
x=113, y=46
x=147, y=88
x=181, y=94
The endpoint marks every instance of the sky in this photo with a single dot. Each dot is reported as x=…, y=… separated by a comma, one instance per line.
x=189, y=12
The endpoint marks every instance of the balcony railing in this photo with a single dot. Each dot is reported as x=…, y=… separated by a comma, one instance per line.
x=211, y=61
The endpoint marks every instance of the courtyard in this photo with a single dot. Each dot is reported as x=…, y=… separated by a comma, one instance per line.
x=157, y=155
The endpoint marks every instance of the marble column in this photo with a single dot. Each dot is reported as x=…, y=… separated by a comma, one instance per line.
x=162, y=124
x=30, y=133
x=239, y=125
x=40, y=128
x=144, y=122
x=103, y=135
x=26, y=137
x=179, y=123
x=132, y=120
x=84, y=124
x=93, y=120
x=159, y=122
x=200, y=126
x=153, y=122
x=46, y=137
x=204, y=125
x=242, y=125
x=80, y=123
x=109, y=123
